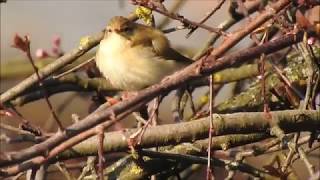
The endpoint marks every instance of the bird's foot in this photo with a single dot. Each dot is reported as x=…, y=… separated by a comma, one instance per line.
x=128, y=94
x=112, y=100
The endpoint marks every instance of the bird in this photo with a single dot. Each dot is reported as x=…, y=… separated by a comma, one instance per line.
x=133, y=56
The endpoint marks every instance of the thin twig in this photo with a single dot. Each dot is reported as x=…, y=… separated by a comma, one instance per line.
x=211, y=105
x=192, y=106
x=292, y=151
x=263, y=84
x=73, y=69
x=189, y=131
x=306, y=161
x=286, y=81
x=139, y=118
x=252, y=7
x=174, y=8
x=100, y=132
x=63, y=169
x=205, y=18
x=124, y=108
x=85, y=45
x=178, y=17
x=28, y=53
x=201, y=160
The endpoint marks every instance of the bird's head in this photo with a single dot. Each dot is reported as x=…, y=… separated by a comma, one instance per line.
x=121, y=26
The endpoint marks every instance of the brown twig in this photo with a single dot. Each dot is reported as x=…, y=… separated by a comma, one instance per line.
x=162, y=166
x=100, y=132
x=211, y=105
x=263, y=149
x=264, y=16
x=73, y=69
x=25, y=124
x=200, y=160
x=286, y=81
x=187, y=74
x=306, y=161
x=178, y=17
x=174, y=8
x=49, y=69
x=124, y=108
x=188, y=131
x=252, y=7
x=27, y=50
x=205, y=18
x=263, y=84
x=86, y=44
x=292, y=151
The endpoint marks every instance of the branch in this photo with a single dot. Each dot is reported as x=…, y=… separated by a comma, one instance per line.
x=22, y=68
x=250, y=99
x=122, y=109
x=206, y=17
x=72, y=82
x=123, y=167
x=49, y=69
x=89, y=147
x=237, y=123
x=233, y=165
x=226, y=24
x=263, y=17
x=86, y=43
x=176, y=16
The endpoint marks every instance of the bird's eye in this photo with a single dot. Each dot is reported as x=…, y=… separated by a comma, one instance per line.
x=109, y=30
x=126, y=29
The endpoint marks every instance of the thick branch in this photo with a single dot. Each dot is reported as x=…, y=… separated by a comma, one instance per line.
x=89, y=146
x=251, y=98
x=237, y=123
x=85, y=45
x=71, y=82
x=49, y=69
x=191, y=72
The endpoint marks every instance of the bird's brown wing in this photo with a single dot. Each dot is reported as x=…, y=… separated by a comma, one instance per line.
x=160, y=44
x=174, y=55
x=161, y=47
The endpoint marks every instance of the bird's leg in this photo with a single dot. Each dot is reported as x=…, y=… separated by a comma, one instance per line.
x=128, y=94
x=112, y=100
x=125, y=95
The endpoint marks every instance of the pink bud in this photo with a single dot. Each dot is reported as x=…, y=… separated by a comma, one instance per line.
x=41, y=53
x=6, y=113
x=21, y=43
x=56, y=41
x=311, y=40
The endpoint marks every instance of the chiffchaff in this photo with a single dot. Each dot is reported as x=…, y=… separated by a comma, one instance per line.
x=134, y=56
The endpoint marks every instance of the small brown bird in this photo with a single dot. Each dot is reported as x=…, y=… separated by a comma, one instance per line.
x=134, y=56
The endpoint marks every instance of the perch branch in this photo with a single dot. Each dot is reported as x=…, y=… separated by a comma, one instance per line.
x=123, y=108
x=289, y=121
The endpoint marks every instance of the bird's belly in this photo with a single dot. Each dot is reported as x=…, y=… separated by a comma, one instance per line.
x=134, y=68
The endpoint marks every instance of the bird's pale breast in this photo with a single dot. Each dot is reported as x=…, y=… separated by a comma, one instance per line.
x=132, y=68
